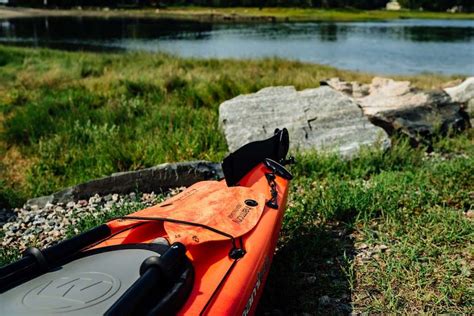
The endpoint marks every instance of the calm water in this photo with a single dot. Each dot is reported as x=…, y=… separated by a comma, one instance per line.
x=395, y=47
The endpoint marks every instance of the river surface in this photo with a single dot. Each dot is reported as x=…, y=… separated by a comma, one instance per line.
x=393, y=47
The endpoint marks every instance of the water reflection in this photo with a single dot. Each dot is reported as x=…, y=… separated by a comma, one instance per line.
x=86, y=28
x=402, y=46
x=442, y=34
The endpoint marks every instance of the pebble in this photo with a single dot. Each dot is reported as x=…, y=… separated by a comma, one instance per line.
x=30, y=225
x=70, y=205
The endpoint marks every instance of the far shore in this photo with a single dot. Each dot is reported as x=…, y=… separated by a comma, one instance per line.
x=230, y=15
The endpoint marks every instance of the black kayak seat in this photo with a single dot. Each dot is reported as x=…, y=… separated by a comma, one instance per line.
x=93, y=281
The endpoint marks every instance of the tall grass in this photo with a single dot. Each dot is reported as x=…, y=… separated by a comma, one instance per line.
x=76, y=116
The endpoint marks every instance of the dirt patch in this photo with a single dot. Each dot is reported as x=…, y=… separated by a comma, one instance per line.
x=15, y=165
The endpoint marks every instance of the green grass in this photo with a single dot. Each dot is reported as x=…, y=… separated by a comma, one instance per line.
x=410, y=202
x=306, y=14
x=70, y=117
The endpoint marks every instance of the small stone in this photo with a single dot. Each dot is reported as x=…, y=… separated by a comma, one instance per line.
x=469, y=214
x=70, y=205
x=82, y=203
x=95, y=199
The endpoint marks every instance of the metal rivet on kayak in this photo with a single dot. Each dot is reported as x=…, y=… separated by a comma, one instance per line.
x=251, y=202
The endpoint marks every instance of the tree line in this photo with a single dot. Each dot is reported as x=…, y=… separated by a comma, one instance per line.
x=430, y=5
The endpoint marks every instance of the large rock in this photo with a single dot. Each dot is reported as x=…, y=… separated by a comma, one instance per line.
x=320, y=118
x=399, y=108
x=155, y=179
x=464, y=93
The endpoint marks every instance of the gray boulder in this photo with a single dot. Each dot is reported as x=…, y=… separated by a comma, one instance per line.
x=401, y=109
x=464, y=94
x=155, y=179
x=321, y=119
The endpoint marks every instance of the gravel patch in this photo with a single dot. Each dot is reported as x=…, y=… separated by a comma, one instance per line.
x=43, y=227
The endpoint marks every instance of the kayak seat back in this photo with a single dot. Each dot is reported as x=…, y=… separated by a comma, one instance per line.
x=239, y=163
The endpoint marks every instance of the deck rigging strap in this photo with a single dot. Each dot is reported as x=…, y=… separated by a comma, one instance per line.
x=177, y=221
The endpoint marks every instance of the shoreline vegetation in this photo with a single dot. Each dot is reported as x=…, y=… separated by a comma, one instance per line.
x=237, y=14
x=387, y=232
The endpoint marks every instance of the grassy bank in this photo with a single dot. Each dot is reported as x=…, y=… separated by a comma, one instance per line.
x=70, y=117
x=302, y=14
x=240, y=14
x=386, y=232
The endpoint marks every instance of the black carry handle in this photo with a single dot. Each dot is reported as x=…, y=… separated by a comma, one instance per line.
x=36, y=261
x=154, y=273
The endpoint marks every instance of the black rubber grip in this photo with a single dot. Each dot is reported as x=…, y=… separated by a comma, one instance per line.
x=29, y=265
x=129, y=302
x=75, y=244
x=156, y=274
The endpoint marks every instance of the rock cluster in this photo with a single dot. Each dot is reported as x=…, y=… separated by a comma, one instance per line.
x=399, y=108
x=159, y=178
x=44, y=226
x=343, y=116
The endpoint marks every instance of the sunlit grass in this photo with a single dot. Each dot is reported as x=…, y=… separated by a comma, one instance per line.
x=412, y=204
x=71, y=117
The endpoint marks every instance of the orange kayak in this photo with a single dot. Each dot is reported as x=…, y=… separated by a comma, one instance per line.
x=205, y=251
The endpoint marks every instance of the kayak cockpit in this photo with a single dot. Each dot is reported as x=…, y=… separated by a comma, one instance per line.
x=86, y=282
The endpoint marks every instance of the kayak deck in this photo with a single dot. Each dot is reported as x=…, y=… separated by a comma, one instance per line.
x=221, y=281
